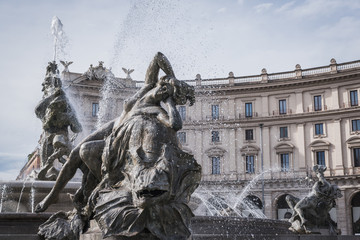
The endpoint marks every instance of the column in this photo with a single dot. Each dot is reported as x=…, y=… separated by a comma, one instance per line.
x=268, y=205
x=299, y=102
x=197, y=110
x=342, y=219
x=337, y=158
x=266, y=150
x=198, y=151
x=231, y=109
x=232, y=154
x=265, y=106
x=335, y=98
x=301, y=144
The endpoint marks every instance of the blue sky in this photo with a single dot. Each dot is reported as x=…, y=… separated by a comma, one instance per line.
x=200, y=36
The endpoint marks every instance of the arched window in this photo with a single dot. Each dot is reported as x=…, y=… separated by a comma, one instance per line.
x=252, y=206
x=355, y=206
x=353, y=144
x=283, y=209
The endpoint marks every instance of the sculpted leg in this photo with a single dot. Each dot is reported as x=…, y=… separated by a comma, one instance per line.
x=90, y=153
x=67, y=172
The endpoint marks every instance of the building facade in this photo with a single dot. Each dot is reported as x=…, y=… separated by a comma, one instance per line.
x=256, y=137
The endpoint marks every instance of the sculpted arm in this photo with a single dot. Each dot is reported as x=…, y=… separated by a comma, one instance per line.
x=172, y=119
x=159, y=62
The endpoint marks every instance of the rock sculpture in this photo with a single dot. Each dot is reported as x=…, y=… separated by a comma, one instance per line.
x=66, y=65
x=128, y=72
x=57, y=115
x=137, y=180
x=312, y=212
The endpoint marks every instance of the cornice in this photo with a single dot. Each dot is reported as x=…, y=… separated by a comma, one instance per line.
x=298, y=118
x=258, y=87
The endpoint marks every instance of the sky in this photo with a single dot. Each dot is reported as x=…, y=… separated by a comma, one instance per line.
x=209, y=37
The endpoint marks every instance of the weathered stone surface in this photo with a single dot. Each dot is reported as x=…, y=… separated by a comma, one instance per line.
x=312, y=212
x=137, y=179
x=57, y=116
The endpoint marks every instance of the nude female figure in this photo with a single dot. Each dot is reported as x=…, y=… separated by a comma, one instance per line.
x=88, y=155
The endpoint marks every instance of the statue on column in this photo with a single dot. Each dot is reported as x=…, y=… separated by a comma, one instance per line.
x=137, y=179
x=57, y=116
x=312, y=212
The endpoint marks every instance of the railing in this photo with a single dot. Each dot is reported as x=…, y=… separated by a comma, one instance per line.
x=284, y=113
x=284, y=75
x=349, y=105
x=345, y=66
x=253, y=115
x=312, y=109
x=297, y=73
x=315, y=71
x=247, y=79
x=215, y=82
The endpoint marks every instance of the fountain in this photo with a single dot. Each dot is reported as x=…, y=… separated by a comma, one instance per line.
x=161, y=189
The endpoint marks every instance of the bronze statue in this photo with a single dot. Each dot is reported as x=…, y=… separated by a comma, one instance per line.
x=57, y=115
x=137, y=180
x=313, y=210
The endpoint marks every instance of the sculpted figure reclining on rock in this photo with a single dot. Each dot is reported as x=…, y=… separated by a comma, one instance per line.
x=137, y=180
x=313, y=210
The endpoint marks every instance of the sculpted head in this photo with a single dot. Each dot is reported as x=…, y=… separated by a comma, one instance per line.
x=150, y=182
x=181, y=91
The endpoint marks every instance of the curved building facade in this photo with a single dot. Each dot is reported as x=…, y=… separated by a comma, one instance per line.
x=258, y=137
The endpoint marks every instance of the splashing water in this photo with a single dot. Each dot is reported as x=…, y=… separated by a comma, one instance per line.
x=158, y=25
x=232, y=204
x=108, y=99
x=60, y=39
x=32, y=197
x=3, y=196
x=22, y=191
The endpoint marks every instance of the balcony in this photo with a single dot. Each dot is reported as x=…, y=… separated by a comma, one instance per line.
x=288, y=111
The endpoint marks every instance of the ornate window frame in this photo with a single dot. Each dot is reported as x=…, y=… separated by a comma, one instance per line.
x=216, y=152
x=282, y=148
x=324, y=130
x=352, y=142
x=320, y=145
x=248, y=150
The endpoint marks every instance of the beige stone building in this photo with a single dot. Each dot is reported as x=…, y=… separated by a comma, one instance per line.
x=279, y=124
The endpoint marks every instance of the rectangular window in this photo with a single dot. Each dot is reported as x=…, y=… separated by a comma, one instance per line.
x=182, y=112
x=355, y=125
x=215, y=136
x=282, y=106
x=283, y=132
x=95, y=109
x=215, y=112
x=356, y=157
x=248, y=110
x=319, y=129
x=354, y=98
x=215, y=165
x=317, y=103
x=249, y=134
x=182, y=137
x=284, y=161
x=320, y=158
x=250, y=164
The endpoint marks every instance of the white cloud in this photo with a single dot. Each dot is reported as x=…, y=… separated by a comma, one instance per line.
x=240, y=2
x=9, y=174
x=263, y=7
x=221, y=10
x=318, y=8
x=285, y=7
